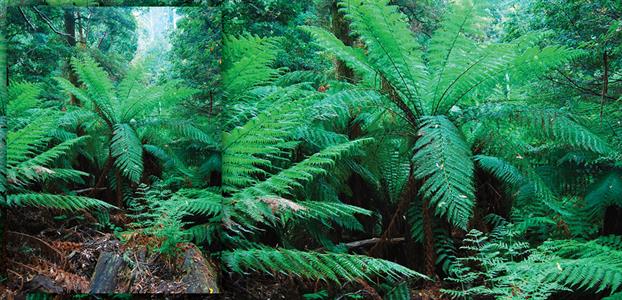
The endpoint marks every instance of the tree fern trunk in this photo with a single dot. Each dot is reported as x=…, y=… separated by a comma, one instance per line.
x=3, y=241
x=118, y=189
x=428, y=242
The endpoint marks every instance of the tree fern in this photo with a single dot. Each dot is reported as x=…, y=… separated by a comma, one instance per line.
x=129, y=115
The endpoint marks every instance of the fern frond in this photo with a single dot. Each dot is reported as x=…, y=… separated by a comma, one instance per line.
x=338, y=213
x=392, y=49
x=592, y=273
x=98, y=84
x=562, y=128
x=247, y=148
x=501, y=169
x=66, y=202
x=127, y=151
x=22, y=96
x=314, y=265
x=353, y=57
x=38, y=168
x=191, y=131
x=202, y=202
x=444, y=161
x=24, y=143
x=248, y=63
x=284, y=182
x=394, y=170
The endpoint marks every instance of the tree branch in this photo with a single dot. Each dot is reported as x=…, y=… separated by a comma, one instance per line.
x=49, y=22
x=26, y=18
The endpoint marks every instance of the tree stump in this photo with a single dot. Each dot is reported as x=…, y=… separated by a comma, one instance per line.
x=105, y=276
x=201, y=275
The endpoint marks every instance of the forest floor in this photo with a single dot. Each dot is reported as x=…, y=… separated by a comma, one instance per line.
x=60, y=256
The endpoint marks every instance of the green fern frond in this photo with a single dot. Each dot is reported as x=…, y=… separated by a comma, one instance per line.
x=392, y=49
x=414, y=216
x=25, y=142
x=444, y=161
x=127, y=151
x=339, y=213
x=286, y=181
x=22, y=96
x=99, y=87
x=37, y=168
x=247, y=148
x=248, y=63
x=66, y=202
x=353, y=57
x=191, y=131
x=203, y=233
x=49, y=155
x=561, y=127
x=394, y=169
x=199, y=201
x=597, y=273
x=314, y=265
x=399, y=292
x=501, y=169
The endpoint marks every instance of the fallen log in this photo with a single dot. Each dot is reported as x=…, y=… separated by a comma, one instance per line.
x=106, y=274
x=200, y=274
x=43, y=284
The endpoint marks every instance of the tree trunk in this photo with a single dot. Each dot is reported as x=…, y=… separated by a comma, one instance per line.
x=70, y=29
x=341, y=30
x=81, y=31
x=119, y=192
x=428, y=241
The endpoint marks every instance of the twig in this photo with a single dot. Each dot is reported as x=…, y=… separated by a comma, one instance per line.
x=102, y=39
x=89, y=190
x=26, y=18
x=370, y=241
x=577, y=86
x=375, y=240
x=49, y=23
x=21, y=285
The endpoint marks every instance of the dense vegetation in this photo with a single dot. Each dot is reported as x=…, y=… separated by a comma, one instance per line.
x=348, y=149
